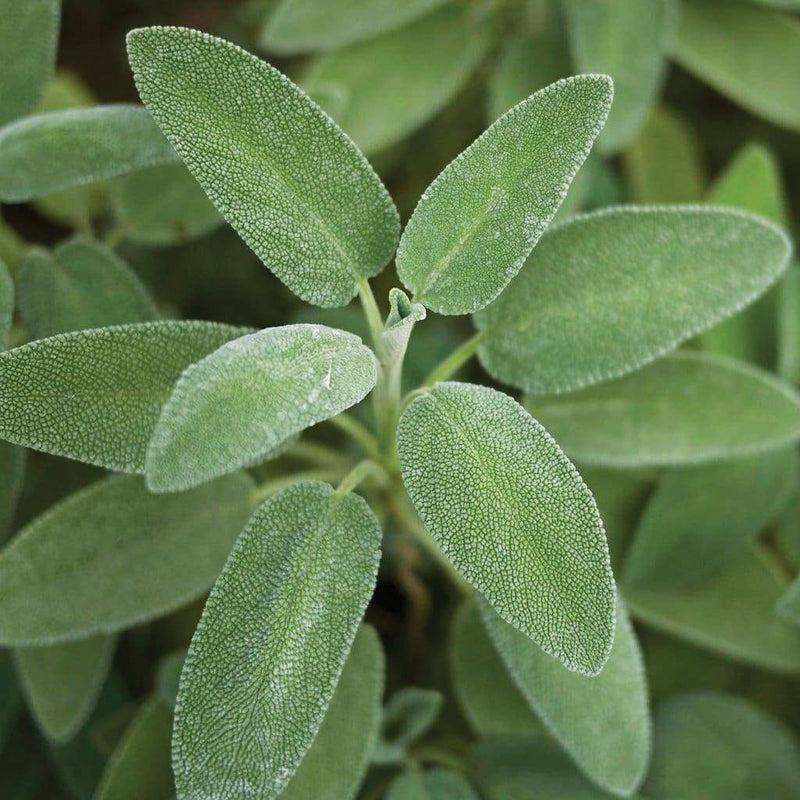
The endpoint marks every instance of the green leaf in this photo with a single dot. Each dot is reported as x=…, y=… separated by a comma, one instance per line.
x=268, y=652
x=749, y=54
x=435, y=784
x=381, y=90
x=511, y=512
x=335, y=764
x=282, y=174
x=788, y=332
x=6, y=304
x=626, y=40
x=113, y=556
x=139, y=767
x=299, y=26
x=51, y=152
x=84, y=284
x=96, y=395
x=246, y=399
x=731, y=611
x=683, y=409
x=408, y=716
x=789, y=604
x=62, y=682
x=602, y=722
x=713, y=746
x=564, y=322
x=699, y=516
x=479, y=220
x=28, y=39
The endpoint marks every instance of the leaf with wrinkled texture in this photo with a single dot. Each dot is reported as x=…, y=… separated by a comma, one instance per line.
x=511, y=512
x=267, y=654
x=113, y=556
x=479, y=220
x=683, y=409
x=564, y=322
x=434, y=784
x=96, y=395
x=282, y=174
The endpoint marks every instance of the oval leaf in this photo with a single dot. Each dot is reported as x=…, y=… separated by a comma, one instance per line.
x=435, y=784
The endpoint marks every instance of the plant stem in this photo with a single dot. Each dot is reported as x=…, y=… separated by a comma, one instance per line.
x=360, y=472
x=371, y=312
x=275, y=485
x=358, y=432
x=317, y=453
x=455, y=360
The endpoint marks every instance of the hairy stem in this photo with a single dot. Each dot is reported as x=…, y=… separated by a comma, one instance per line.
x=455, y=360
x=275, y=485
x=360, y=472
x=359, y=433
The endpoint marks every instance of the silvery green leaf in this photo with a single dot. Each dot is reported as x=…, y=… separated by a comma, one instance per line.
x=84, y=284
x=602, y=722
x=479, y=220
x=731, y=612
x=12, y=474
x=6, y=304
x=788, y=332
x=96, y=395
x=511, y=512
x=408, y=716
x=28, y=39
x=335, y=764
x=50, y=152
x=564, y=323
x=749, y=54
x=434, y=784
x=698, y=516
x=282, y=174
x=62, y=682
x=113, y=556
x=267, y=654
x=625, y=39
x=247, y=398
x=686, y=408
x=381, y=90
x=714, y=746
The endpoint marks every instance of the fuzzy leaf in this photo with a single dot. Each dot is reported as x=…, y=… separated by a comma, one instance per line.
x=246, y=399
x=683, y=409
x=282, y=174
x=6, y=304
x=96, y=395
x=51, y=152
x=267, y=654
x=84, y=284
x=435, y=784
x=478, y=221
x=513, y=515
x=602, y=722
x=564, y=323
x=113, y=556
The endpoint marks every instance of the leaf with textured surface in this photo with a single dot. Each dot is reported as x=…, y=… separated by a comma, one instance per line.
x=511, y=512
x=435, y=784
x=96, y=395
x=282, y=174
x=683, y=409
x=478, y=221
x=602, y=722
x=113, y=555
x=268, y=652
x=62, y=682
x=564, y=323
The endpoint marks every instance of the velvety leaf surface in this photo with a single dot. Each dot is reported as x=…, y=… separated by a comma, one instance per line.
x=96, y=395
x=685, y=408
x=282, y=174
x=435, y=784
x=113, y=555
x=268, y=652
x=605, y=293
x=477, y=222
x=513, y=515
x=50, y=152
x=247, y=398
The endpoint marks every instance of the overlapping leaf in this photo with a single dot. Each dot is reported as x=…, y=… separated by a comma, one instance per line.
x=408, y=716
x=788, y=334
x=436, y=784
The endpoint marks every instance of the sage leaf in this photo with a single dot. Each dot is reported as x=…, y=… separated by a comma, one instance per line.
x=335, y=764
x=269, y=649
x=434, y=784
x=788, y=334
x=563, y=323
x=683, y=409
x=740, y=751
x=113, y=556
x=62, y=682
x=60, y=150
x=6, y=304
x=96, y=395
x=511, y=512
x=602, y=722
x=292, y=185
x=28, y=39
x=408, y=716
x=84, y=284
x=248, y=397
x=478, y=221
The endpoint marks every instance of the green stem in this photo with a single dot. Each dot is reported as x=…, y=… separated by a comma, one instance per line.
x=360, y=472
x=358, y=432
x=317, y=453
x=371, y=312
x=275, y=485
x=455, y=360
